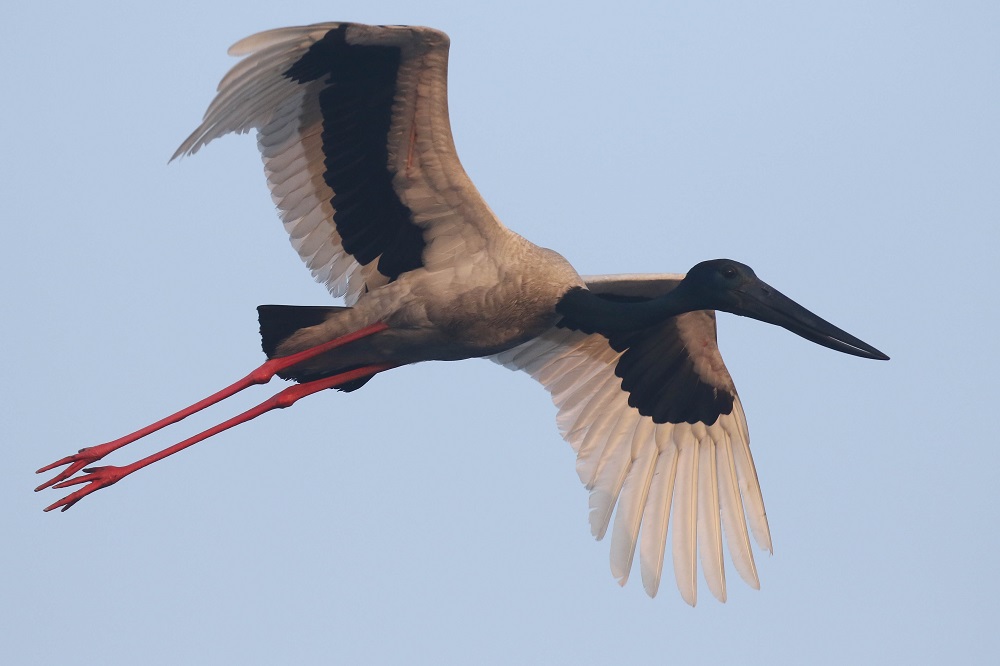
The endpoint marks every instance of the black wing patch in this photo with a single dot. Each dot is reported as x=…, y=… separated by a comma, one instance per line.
x=659, y=375
x=661, y=380
x=356, y=106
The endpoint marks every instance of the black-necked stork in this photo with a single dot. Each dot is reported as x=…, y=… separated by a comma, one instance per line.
x=352, y=121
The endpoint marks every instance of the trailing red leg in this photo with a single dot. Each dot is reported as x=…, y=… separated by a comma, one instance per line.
x=101, y=477
x=260, y=375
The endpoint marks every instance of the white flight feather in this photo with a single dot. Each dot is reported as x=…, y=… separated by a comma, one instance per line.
x=656, y=516
x=709, y=529
x=685, y=518
x=633, y=499
x=735, y=526
x=693, y=481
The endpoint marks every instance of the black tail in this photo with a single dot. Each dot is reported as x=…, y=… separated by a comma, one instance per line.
x=278, y=322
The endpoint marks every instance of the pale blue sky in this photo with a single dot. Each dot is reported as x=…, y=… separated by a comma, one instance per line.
x=849, y=151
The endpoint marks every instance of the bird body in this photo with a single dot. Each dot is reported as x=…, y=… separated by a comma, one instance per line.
x=352, y=123
x=514, y=289
x=354, y=131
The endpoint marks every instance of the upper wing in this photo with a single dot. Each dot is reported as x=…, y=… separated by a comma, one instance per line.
x=353, y=127
x=661, y=443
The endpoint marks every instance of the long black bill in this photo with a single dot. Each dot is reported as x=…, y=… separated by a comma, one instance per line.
x=761, y=301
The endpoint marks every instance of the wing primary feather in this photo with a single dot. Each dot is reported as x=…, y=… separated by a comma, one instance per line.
x=685, y=539
x=656, y=516
x=634, y=496
x=753, y=501
x=709, y=530
x=733, y=520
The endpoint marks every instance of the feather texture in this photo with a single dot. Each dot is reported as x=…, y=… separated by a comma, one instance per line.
x=691, y=479
x=362, y=201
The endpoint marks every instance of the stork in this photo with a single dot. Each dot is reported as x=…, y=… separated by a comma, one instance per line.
x=352, y=122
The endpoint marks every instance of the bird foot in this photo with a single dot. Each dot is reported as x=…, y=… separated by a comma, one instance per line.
x=95, y=478
x=76, y=462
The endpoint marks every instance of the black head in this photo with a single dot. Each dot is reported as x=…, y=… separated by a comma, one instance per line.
x=727, y=285
x=716, y=278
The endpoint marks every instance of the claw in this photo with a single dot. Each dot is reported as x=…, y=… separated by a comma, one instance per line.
x=76, y=462
x=95, y=478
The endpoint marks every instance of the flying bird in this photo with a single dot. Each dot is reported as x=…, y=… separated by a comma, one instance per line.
x=352, y=123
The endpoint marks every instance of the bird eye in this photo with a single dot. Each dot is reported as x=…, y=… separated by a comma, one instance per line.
x=729, y=272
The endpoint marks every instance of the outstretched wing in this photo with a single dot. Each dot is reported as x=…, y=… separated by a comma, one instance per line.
x=660, y=433
x=352, y=122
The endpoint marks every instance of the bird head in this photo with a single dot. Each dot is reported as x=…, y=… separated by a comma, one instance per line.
x=727, y=285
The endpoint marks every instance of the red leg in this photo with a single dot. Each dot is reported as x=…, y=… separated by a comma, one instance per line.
x=101, y=477
x=261, y=375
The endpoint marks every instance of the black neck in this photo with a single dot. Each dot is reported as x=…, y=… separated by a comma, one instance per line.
x=583, y=310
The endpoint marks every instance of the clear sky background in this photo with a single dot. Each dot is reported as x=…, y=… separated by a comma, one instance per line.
x=849, y=151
